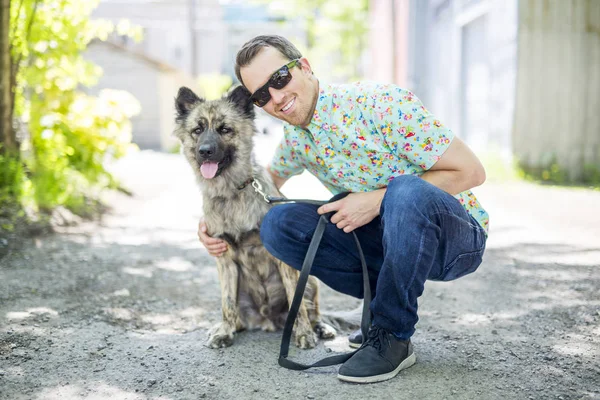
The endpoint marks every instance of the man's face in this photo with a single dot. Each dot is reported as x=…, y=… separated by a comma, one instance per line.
x=293, y=103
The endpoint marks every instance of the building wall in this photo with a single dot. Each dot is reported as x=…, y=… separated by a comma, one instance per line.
x=154, y=85
x=503, y=69
x=558, y=92
x=167, y=26
x=488, y=50
x=169, y=83
x=209, y=31
x=211, y=37
x=462, y=65
x=389, y=45
x=123, y=71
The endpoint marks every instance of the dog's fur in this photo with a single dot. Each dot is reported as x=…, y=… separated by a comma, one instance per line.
x=256, y=288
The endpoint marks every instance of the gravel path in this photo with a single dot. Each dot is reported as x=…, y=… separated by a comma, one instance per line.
x=120, y=309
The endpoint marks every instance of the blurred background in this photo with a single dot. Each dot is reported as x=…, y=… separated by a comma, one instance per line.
x=515, y=79
x=116, y=303
x=84, y=83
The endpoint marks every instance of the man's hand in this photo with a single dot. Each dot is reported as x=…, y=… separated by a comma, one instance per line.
x=215, y=247
x=354, y=210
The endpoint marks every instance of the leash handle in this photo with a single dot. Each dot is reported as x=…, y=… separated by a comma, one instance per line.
x=280, y=200
x=299, y=293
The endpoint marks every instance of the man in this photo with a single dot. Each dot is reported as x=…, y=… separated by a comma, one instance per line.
x=410, y=205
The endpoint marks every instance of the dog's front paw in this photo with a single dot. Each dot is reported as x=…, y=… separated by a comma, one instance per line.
x=306, y=339
x=220, y=335
x=325, y=331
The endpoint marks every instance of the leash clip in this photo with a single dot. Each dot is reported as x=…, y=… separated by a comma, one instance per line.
x=258, y=189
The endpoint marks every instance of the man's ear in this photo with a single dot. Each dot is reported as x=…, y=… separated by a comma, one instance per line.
x=240, y=96
x=185, y=101
x=305, y=65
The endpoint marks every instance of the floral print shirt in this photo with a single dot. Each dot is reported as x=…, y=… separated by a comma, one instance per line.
x=364, y=134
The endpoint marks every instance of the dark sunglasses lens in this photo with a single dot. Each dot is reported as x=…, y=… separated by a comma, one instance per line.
x=277, y=81
x=280, y=78
x=262, y=97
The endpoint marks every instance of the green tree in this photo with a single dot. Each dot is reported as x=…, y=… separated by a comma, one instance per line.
x=67, y=136
x=10, y=166
x=335, y=28
x=7, y=137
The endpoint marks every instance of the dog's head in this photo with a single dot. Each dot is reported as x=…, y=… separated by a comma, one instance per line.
x=216, y=136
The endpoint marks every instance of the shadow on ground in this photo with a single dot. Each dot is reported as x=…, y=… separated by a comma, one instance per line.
x=121, y=314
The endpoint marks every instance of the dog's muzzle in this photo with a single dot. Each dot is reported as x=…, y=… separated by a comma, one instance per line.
x=206, y=151
x=209, y=150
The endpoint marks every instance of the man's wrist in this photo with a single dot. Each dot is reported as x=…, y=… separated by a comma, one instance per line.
x=380, y=194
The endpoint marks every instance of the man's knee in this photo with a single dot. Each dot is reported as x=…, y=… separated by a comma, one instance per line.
x=285, y=222
x=407, y=189
x=410, y=193
x=269, y=227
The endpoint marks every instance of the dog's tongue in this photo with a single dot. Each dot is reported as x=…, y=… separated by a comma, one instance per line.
x=209, y=169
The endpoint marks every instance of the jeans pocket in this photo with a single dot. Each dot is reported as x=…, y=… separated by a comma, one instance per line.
x=462, y=265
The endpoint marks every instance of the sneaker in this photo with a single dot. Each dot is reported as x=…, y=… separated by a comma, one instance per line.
x=380, y=358
x=355, y=339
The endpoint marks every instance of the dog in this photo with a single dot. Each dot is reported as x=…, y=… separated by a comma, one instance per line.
x=256, y=288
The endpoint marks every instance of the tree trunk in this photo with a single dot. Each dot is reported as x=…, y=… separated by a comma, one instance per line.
x=8, y=140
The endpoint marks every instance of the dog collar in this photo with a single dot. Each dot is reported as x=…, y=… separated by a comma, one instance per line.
x=243, y=185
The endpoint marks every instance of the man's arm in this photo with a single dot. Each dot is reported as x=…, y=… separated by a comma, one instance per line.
x=278, y=181
x=446, y=161
x=437, y=155
x=457, y=170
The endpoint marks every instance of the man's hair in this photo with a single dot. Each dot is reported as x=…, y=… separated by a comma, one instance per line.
x=254, y=46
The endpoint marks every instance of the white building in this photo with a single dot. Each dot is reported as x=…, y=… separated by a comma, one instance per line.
x=153, y=83
x=460, y=59
x=182, y=39
x=515, y=78
x=176, y=32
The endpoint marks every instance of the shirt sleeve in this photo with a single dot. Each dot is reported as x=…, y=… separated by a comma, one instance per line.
x=286, y=161
x=409, y=129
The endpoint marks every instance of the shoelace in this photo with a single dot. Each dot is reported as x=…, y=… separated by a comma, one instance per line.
x=376, y=338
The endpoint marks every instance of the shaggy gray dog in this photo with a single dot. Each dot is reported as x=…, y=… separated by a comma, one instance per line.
x=256, y=288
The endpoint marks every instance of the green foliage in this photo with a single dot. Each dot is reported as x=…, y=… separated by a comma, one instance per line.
x=68, y=135
x=334, y=27
x=71, y=148
x=214, y=85
x=591, y=175
x=554, y=173
x=11, y=179
x=502, y=169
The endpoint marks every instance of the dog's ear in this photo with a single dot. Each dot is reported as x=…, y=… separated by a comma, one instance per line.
x=240, y=96
x=185, y=101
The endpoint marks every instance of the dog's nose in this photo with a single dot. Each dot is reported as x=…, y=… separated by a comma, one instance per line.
x=206, y=150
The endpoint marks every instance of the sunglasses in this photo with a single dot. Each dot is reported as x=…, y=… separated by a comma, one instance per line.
x=278, y=80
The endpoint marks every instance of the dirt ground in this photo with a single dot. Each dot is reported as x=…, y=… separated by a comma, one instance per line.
x=120, y=309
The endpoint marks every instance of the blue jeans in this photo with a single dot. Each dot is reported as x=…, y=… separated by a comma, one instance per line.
x=422, y=233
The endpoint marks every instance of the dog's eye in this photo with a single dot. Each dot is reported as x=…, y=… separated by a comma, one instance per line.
x=198, y=130
x=224, y=130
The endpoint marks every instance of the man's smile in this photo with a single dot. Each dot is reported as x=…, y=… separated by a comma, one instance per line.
x=288, y=106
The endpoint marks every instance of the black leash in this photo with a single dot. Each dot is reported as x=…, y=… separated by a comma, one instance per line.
x=303, y=279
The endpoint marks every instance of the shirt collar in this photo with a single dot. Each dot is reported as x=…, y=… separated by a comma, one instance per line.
x=322, y=111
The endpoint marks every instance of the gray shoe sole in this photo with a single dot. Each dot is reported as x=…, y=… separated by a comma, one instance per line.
x=408, y=362
x=354, y=345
